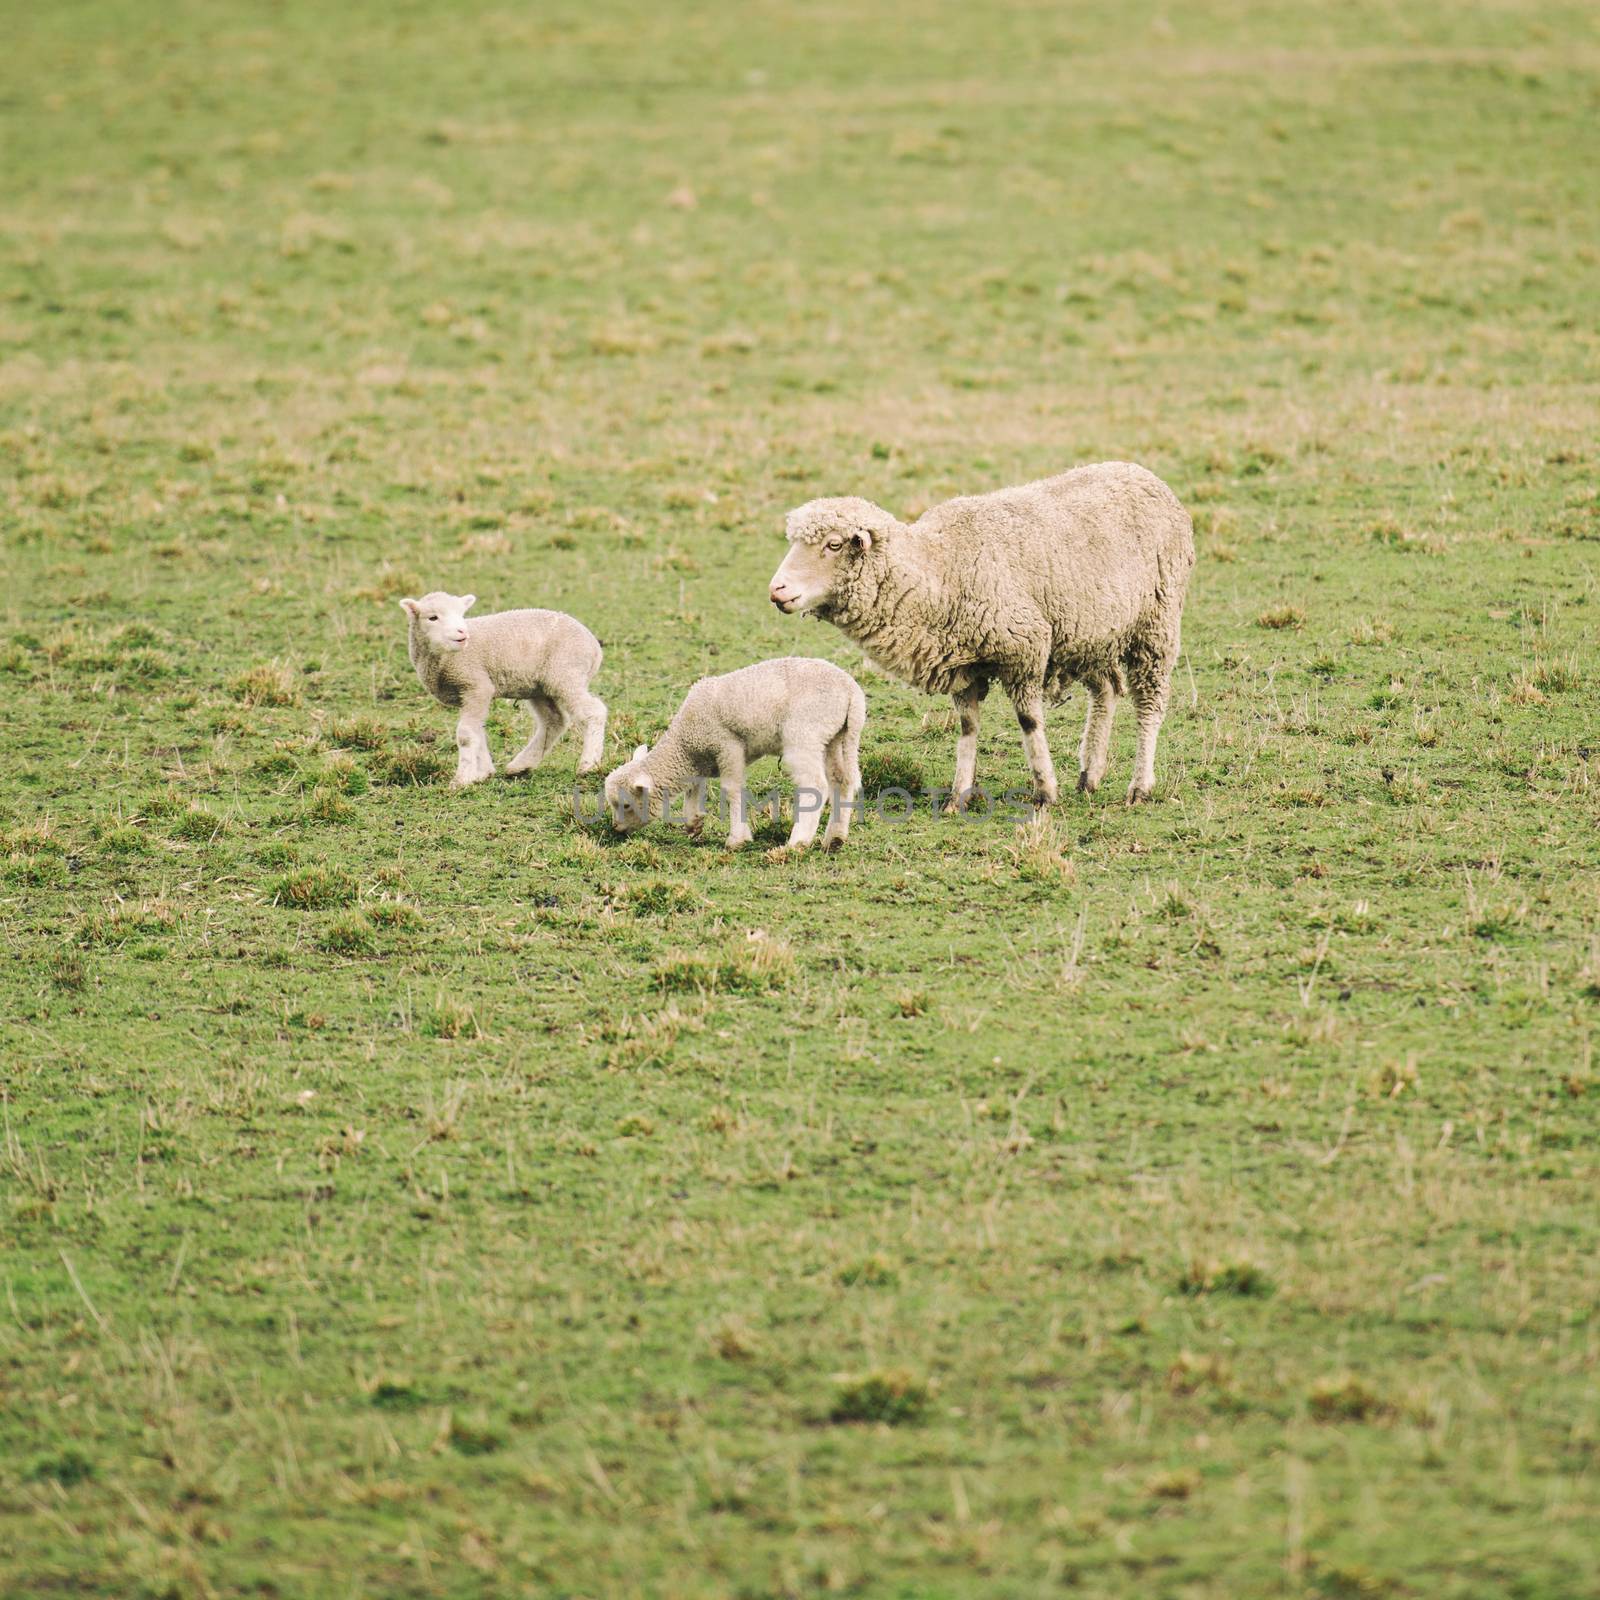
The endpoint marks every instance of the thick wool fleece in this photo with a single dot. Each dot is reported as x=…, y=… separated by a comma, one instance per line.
x=1079, y=578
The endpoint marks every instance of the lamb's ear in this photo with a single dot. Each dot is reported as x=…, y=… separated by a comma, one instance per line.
x=468, y=601
x=409, y=607
x=641, y=752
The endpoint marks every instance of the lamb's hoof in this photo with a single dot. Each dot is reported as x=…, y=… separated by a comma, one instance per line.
x=589, y=771
x=461, y=781
x=1137, y=795
x=1086, y=784
x=1043, y=798
x=833, y=845
x=694, y=827
x=737, y=844
x=515, y=769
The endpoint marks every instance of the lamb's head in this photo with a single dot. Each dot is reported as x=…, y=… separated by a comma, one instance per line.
x=828, y=542
x=441, y=619
x=630, y=793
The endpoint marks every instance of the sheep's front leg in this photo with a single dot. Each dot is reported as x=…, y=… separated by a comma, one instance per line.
x=473, y=761
x=730, y=772
x=1029, y=703
x=694, y=806
x=806, y=769
x=1096, y=745
x=967, y=703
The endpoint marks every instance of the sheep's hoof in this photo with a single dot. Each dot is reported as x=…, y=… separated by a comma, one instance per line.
x=1136, y=794
x=1043, y=798
x=515, y=769
x=1086, y=784
x=695, y=826
x=833, y=844
x=588, y=771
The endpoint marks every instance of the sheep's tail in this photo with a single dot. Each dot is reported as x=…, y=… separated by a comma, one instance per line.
x=855, y=719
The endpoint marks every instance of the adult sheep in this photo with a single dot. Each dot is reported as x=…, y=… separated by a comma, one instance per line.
x=1079, y=578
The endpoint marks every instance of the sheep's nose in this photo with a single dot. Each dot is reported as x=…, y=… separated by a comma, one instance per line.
x=778, y=595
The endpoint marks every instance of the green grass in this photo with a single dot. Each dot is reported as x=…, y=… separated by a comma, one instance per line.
x=412, y=1193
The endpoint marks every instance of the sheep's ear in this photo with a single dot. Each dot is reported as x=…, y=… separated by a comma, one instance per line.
x=641, y=752
x=468, y=601
x=409, y=607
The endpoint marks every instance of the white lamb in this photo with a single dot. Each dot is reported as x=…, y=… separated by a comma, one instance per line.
x=809, y=712
x=1078, y=578
x=543, y=658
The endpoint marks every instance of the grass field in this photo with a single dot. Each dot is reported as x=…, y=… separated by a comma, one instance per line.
x=413, y=1193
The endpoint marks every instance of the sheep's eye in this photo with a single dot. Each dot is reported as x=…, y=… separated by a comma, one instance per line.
x=836, y=544
x=433, y=616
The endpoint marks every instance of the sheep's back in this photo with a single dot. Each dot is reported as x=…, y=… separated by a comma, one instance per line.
x=756, y=703
x=521, y=650
x=1090, y=552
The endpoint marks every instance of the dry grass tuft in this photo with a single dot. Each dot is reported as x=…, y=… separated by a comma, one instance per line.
x=272, y=683
x=1282, y=617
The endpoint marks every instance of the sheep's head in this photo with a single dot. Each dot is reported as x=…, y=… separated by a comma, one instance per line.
x=828, y=539
x=630, y=793
x=442, y=618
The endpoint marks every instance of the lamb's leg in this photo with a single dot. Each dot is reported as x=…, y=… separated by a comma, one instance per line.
x=473, y=761
x=806, y=767
x=730, y=772
x=967, y=703
x=844, y=787
x=1150, y=696
x=547, y=727
x=1096, y=746
x=694, y=806
x=590, y=715
x=1029, y=703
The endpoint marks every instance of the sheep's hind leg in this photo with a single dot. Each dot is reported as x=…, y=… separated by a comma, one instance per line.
x=588, y=712
x=806, y=768
x=546, y=730
x=968, y=701
x=844, y=787
x=1150, y=696
x=1095, y=749
x=591, y=716
x=1029, y=704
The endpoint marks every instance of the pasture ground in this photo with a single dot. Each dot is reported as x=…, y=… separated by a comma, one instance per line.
x=412, y=1193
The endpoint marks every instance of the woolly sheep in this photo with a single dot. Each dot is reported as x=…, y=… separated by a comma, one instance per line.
x=1079, y=578
x=809, y=712
x=543, y=658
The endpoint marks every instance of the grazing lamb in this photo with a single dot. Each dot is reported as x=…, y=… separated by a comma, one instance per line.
x=809, y=712
x=544, y=658
x=1078, y=578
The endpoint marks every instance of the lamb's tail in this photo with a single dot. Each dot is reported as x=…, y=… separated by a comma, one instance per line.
x=855, y=719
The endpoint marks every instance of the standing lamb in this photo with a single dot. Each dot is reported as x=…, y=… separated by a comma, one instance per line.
x=544, y=658
x=809, y=712
x=1078, y=578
